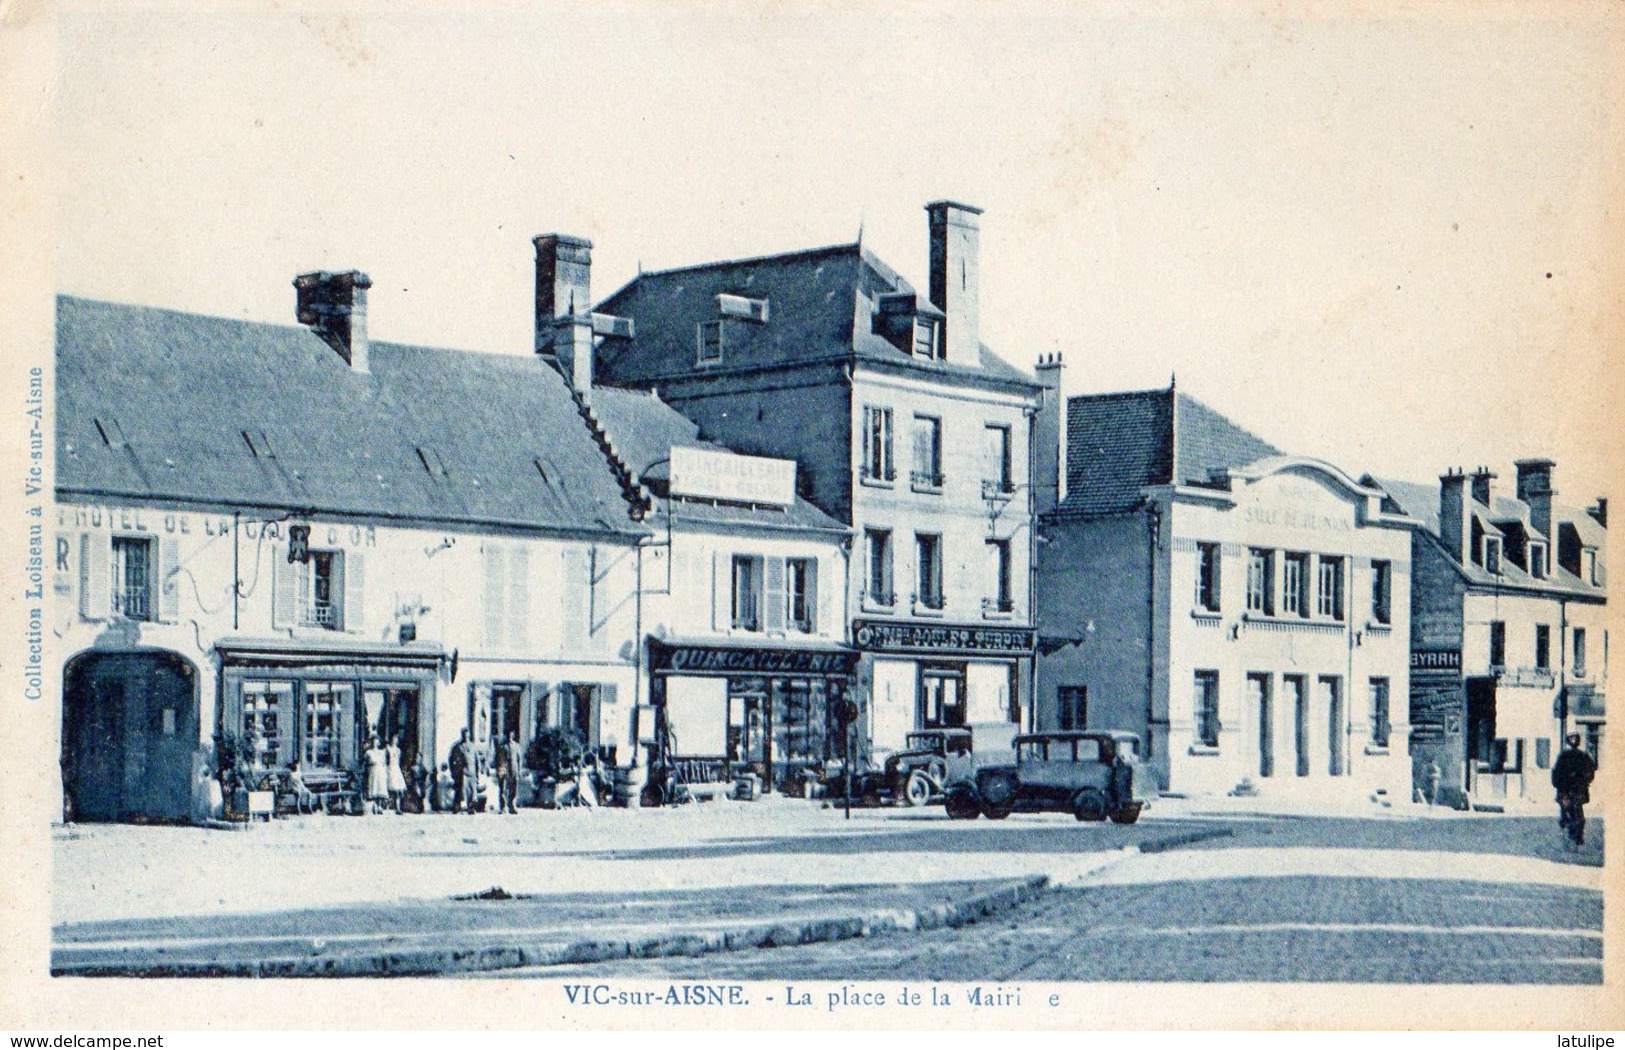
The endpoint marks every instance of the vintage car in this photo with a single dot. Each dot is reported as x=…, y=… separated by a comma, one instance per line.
x=1093, y=775
x=931, y=759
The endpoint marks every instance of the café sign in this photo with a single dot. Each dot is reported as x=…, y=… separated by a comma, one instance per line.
x=709, y=474
x=936, y=638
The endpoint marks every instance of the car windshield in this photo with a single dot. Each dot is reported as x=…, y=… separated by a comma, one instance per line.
x=924, y=742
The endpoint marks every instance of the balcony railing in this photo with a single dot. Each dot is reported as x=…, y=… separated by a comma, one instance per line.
x=995, y=488
x=1528, y=677
x=319, y=614
x=925, y=480
x=133, y=603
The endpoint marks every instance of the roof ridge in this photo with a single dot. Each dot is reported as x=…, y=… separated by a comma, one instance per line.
x=717, y=264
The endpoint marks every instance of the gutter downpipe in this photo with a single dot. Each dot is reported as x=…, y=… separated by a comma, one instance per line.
x=1032, y=565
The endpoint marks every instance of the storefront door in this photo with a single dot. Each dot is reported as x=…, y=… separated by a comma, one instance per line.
x=129, y=733
x=392, y=714
x=941, y=696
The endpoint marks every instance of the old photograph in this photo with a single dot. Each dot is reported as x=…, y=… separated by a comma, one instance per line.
x=1078, y=515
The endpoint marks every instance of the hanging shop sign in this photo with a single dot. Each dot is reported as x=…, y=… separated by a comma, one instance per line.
x=887, y=636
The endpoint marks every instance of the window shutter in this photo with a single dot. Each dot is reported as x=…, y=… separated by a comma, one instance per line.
x=354, y=568
x=774, y=592
x=576, y=607
x=284, y=588
x=95, y=576
x=168, y=574
x=519, y=598
x=491, y=565
x=818, y=601
x=721, y=591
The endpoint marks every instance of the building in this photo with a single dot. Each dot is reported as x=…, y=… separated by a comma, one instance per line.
x=297, y=536
x=1245, y=611
x=903, y=427
x=1509, y=641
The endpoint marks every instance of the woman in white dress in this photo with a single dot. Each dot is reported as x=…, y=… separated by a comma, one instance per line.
x=376, y=783
x=396, y=778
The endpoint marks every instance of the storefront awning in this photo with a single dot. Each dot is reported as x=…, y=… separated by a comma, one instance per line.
x=296, y=652
x=722, y=656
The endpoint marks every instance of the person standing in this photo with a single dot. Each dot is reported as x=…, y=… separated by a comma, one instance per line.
x=465, y=773
x=1571, y=776
x=396, y=777
x=376, y=781
x=507, y=774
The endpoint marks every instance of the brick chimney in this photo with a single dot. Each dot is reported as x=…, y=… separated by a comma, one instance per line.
x=1599, y=511
x=1481, y=479
x=564, y=306
x=334, y=306
x=956, y=278
x=1453, y=516
x=1535, y=489
x=1048, y=426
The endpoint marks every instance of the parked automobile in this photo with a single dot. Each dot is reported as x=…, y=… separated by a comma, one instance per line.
x=931, y=759
x=1093, y=775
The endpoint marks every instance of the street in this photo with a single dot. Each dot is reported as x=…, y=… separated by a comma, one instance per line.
x=1197, y=891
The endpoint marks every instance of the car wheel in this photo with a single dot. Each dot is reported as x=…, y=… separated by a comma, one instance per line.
x=961, y=804
x=999, y=789
x=993, y=812
x=1127, y=815
x=919, y=789
x=1089, y=805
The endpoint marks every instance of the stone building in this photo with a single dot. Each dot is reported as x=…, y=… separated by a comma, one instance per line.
x=1244, y=610
x=1509, y=637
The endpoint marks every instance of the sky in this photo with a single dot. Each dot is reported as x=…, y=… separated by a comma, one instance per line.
x=1380, y=238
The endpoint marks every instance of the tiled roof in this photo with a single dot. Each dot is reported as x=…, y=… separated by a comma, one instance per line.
x=1117, y=444
x=176, y=393
x=820, y=304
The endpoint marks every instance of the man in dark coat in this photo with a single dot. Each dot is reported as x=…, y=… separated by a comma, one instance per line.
x=507, y=774
x=465, y=773
x=1571, y=776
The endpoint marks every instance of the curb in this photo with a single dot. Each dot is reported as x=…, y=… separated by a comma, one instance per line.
x=421, y=962
x=1183, y=838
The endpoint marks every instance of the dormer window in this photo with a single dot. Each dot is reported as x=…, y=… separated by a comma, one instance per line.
x=1537, y=560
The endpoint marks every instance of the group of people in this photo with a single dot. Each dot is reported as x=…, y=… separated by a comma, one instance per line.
x=383, y=782
x=469, y=768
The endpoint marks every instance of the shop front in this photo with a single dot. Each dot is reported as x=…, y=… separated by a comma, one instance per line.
x=313, y=706
x=936, y=675
x=744, y=707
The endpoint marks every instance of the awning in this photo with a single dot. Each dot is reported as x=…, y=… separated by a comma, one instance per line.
x=299, y=652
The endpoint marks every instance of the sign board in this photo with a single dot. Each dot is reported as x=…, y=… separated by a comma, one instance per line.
x=717, y=659
x=1435, y=659
x=937, y=638
x=710, y=474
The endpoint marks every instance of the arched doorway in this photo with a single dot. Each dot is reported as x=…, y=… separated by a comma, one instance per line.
x=129, y=733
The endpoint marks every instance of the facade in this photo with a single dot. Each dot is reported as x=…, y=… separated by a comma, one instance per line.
x=903, y=427
x=1245, y=611
x=1509, y=641
x=296, y=537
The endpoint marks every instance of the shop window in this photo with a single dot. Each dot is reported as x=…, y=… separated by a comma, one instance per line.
x=1072, y=704
x=747, y=593
x=1295, y=585
x=132, y=577
x=1380, y=724
x=999, y=576
x=327, y=723
x=1579, y=652
x=801, y=594
x=942, y=697
x=1261, y=581
x=267, y=727
x=997, y=474
x=1207, y=708
x=1330, y=594
x=1382, y=586
x=877, y=543
x=927, y=472
x=928, y=562
x=1543, y=647
x=1207, y=577
x=877, y=445
x=1498, y=645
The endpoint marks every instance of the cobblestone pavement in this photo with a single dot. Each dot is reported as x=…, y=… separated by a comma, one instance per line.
x=1193, y=914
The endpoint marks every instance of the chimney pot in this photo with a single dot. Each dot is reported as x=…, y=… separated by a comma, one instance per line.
x=334, y=306
x=1535, y=489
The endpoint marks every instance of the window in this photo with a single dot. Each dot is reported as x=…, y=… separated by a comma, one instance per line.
x=1492, y=555
x=1207, y=708
x=1537, y=560
x=1382, y=591
x=710, y=342
x=1331, y=588
x=747, y=593
x=996, y=463
x=1207, y=577
x=1588, y=566
x=999, y=568
x=267, y=729
x=132, y=577
x=801, y=594
x=941, y=697
x=877, y=458
x=1543, y=752
x=318, y=599
x=328, y=706
x=1295, y=585
x=1380, y=724
x=928, y=561
x=1261, y=582
x=1579, y=652
x=1498, y=644
x=927, y=473
x=877, y=542
x=1543, y=647
x=1072, y=702
x=925, y=337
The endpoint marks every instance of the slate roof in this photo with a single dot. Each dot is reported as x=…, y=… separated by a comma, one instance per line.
x=1421, y=501
x=176, y=393
x=1117, y=444
x=821, y=302
x=643, y=430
